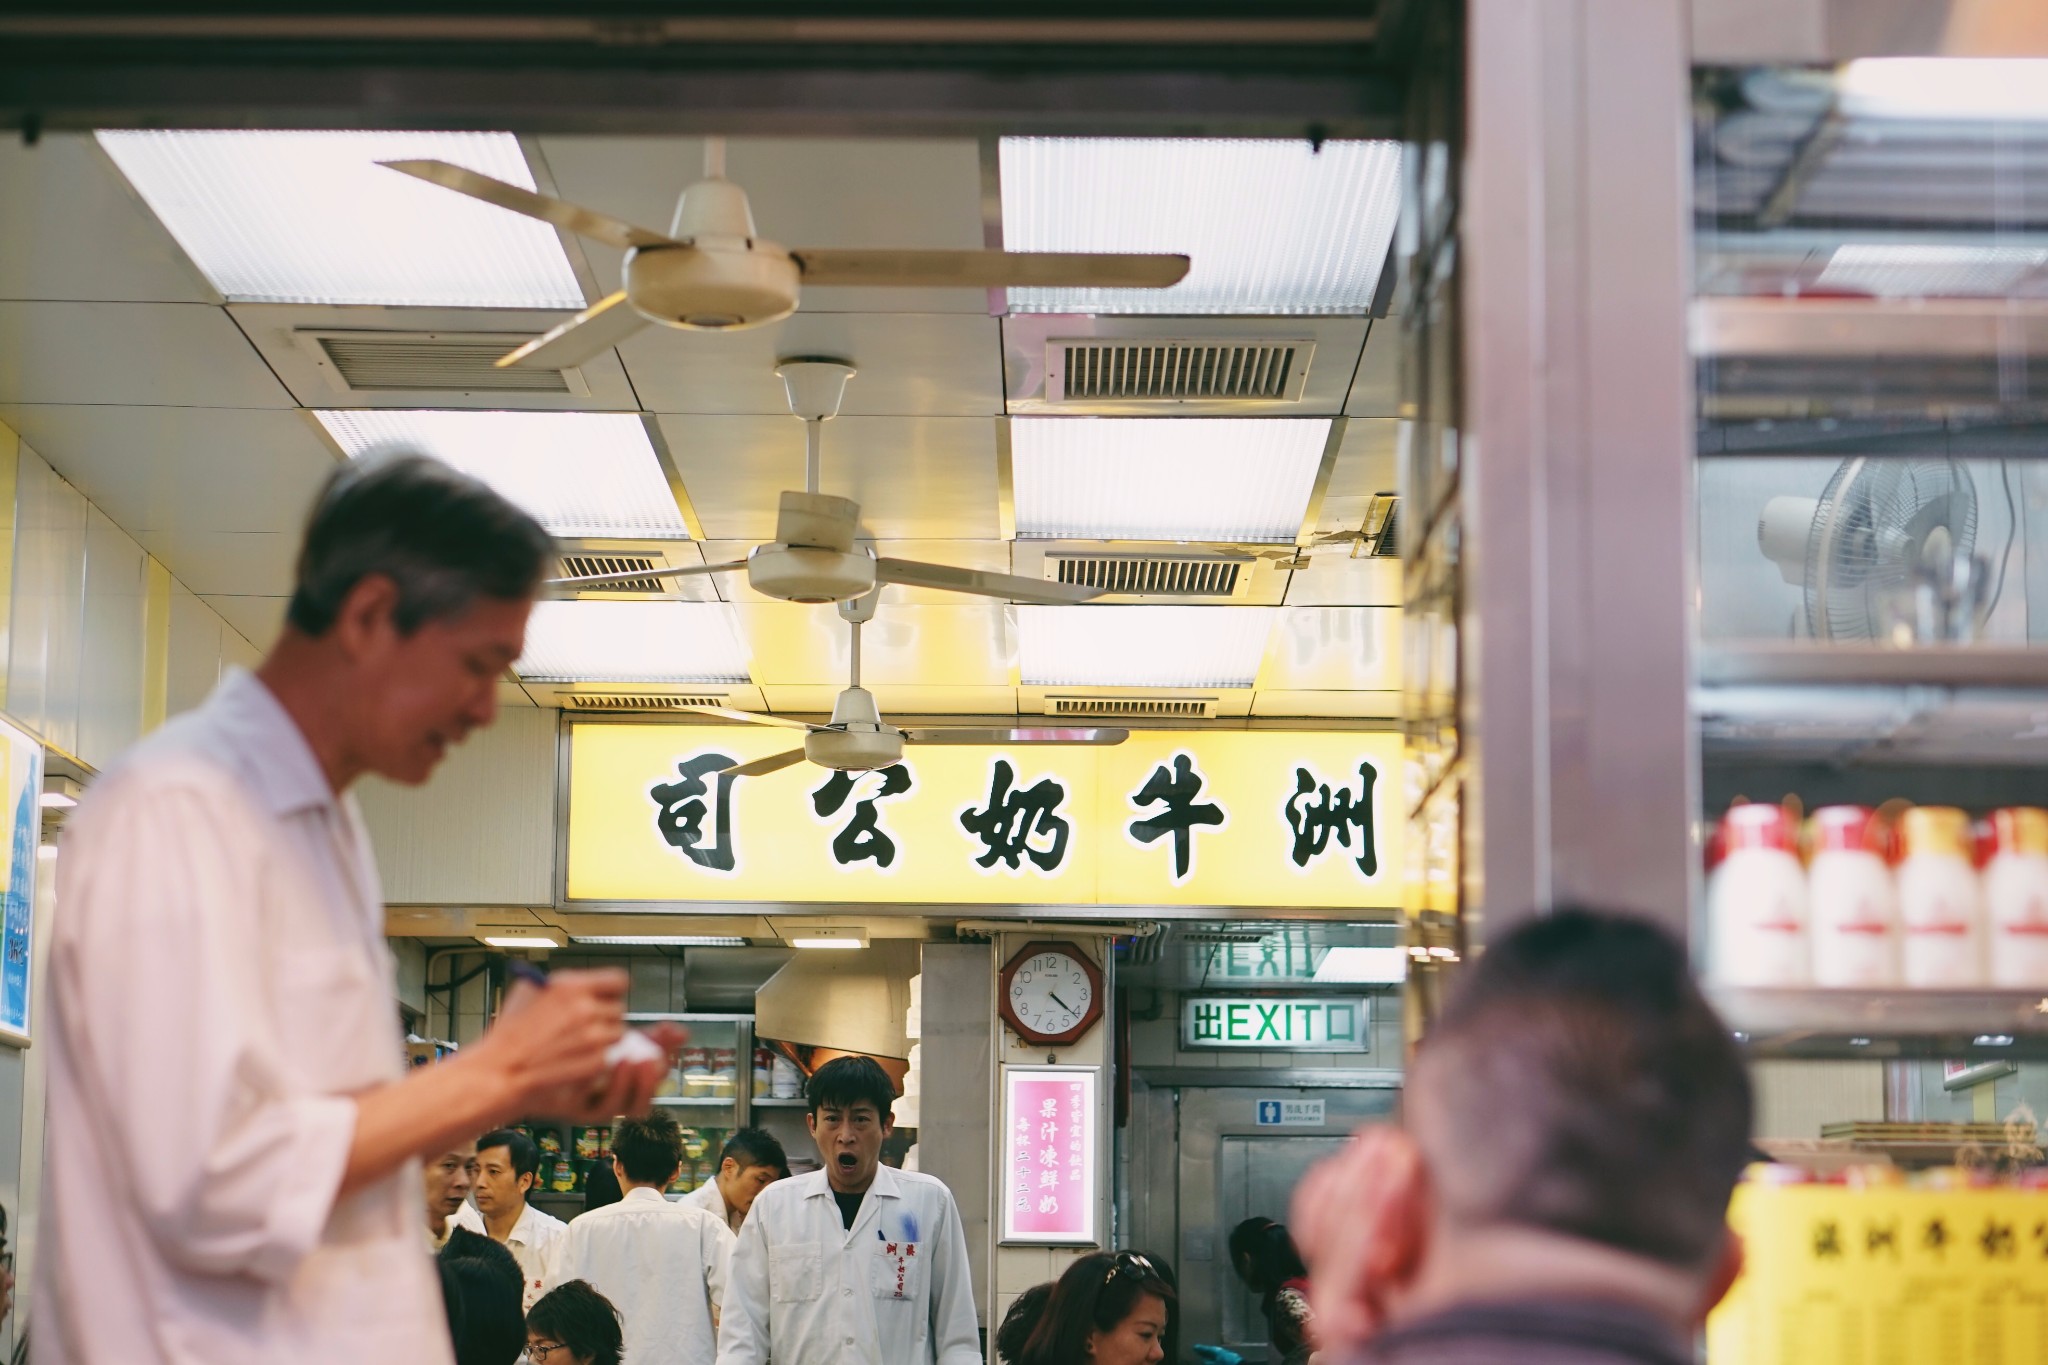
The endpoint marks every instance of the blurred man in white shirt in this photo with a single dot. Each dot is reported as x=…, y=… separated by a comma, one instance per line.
x=507, y=1169
x=751, y=1162
x=662, y=1265
x=446, y=1181
x=239, y=1180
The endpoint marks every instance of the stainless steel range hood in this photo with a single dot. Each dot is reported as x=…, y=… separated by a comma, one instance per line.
x=853, y=1000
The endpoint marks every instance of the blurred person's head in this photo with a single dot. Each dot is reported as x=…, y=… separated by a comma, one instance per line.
x=852, y=1103
x=507, y=1169
x=413, y=587
x=573, y=1324
x=1573, y=1125
x=647, y=1150
x=751, y=1161
x=601, y=1186
x=482, y=1283
x=1263, y=1255
x=448, y=1179
x=1109, y=1308
x=1019, y=1322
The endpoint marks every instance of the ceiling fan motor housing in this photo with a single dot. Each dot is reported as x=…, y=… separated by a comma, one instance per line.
x=717, y=284
x=858, y=739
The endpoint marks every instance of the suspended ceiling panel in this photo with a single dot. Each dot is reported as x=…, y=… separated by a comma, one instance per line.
x=1376, y=387
x=601, y=384
x=183, y=469
x=1334, y=649
x=928, y=364
x=1275, y=703
x=898, y=700
x=966, y=646
x=154, y=354
x=1334, y=579
x=227, y=562
x=259, y=619
x=845, y=192
x=70, y=228
x=1365, y=466
x=928, y=478
x=992, y=556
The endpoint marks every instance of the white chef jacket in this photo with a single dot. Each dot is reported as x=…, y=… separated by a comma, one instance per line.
x=219, y=988
x=893, y=1290
x=662, y=1265
x=531, y=1242
x=711, y=1199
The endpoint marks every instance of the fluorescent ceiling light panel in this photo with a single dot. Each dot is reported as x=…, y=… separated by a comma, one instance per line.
x=310, y=217
x=1363, y=967
x=1142, y=646
x=2012, y=89
x=638, y=642
x=578, y=473
x=519, y=941
x=819, y=938
x=1271, y=226
x=659, y=940
x=1164, y=478
x=1910, y=270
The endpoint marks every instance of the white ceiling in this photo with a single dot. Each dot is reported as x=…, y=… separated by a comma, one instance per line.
x=184, y=418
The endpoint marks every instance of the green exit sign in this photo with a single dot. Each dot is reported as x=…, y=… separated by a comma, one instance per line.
x=1273, y=1023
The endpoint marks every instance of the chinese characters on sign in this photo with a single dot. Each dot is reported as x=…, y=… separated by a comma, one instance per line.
x=1175, y=792
x=1277, y=1023
x=680, y=810
x=1008, y=826
x=863, y=837
x=1314, y=821
x=1049, y=1155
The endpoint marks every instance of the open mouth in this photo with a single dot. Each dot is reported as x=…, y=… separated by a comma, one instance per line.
x=847, y=1161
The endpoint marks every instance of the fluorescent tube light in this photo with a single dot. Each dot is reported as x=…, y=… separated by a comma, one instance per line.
x=1363, y=967
x=519, y=941
x=1142, y=646
x=1164, y=478
x=310, y=217
x=1270, y=226
x=838, y=939
x=579, y=473
x=1911, y=270
x=658, y=940
x=2013, y=89
x=55, y=801
x=641, y=642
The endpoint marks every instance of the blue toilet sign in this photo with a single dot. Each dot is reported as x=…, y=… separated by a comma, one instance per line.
x=1291, y=1113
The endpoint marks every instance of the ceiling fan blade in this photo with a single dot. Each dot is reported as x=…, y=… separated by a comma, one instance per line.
x=1102, y=734
x=753, y=717
x=989, y=269
x=591, y=332
x=950, y=578
x=761, y=767
x=584, y=222
x=598, y=580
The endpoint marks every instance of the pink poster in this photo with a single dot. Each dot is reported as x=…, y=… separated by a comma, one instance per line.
x=1049, y=1155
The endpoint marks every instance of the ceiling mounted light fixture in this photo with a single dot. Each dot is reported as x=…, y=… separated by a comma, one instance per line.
x=1238, y=479
x=579, y=474
x=632, y=642
x=1928, y=269
x=1272, y=226
x=658, y=940
x=828, y=937
x=310, y=217
x=2011, y=89
x=1142, y=646
x=522, y=936
x=1351, y=966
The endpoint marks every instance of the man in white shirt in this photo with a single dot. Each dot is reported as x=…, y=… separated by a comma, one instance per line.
x=856, y=1264
x=447, y=1180
x=751, y=1162
x=238, y=1181
x=507, y=1168
x=662, y=1265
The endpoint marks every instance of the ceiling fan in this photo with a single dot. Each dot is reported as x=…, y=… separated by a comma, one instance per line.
x=711, y=271
x=857, y=739
x=813, y=558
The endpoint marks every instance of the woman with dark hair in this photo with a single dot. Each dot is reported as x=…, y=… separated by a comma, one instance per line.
x=573, y=1324
x=481, y=1285
x=1108, y=1309
x=1019, y=1322
x=1263, y=1254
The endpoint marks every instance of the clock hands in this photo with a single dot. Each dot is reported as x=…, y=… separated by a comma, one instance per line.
x=1061, y=1003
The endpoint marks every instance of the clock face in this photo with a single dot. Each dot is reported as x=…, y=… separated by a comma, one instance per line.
x=1051, y=994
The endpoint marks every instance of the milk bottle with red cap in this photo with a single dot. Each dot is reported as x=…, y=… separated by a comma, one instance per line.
x=1757, y=902
x=1941, y=904
x=1854, y=905
x=2016, y=897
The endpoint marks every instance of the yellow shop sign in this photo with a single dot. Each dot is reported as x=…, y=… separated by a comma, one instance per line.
x=1225, y=818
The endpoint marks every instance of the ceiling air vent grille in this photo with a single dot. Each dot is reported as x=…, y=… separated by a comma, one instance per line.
x=1137, y=708
x=588, y=565
x=373, y=362
x=625, y=701
x=1150, y=575
x=1253, y=371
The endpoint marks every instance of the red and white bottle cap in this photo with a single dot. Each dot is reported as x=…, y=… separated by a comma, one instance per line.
x=1757, y=825
x=2018, y=830
x=1844, y=829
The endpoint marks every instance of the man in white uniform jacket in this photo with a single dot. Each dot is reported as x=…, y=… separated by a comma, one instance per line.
x=235, y=1176
x=856, y=1264
x=507, y=1171
x=751, y=1162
